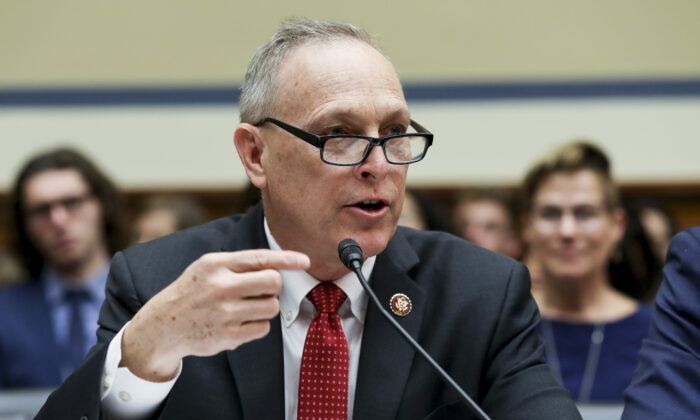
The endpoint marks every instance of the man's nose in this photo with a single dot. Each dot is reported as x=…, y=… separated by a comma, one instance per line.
x=58, y=215
x=375, y=165
x=568, y=225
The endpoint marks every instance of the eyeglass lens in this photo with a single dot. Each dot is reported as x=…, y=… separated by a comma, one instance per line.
x=43, y=210
x=351, y=150
x=584, y=216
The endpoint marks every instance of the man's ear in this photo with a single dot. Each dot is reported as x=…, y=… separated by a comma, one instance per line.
x=250, y=149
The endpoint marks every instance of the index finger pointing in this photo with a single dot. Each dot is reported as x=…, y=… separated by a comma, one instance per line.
x=261, y=259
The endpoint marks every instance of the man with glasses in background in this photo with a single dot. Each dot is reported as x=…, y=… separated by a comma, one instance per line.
x=64, y=226
x=255, y=316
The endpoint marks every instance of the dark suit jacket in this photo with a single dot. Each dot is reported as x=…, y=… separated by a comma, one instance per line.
x=666, y=384
x=29, y=355
x=472, y=312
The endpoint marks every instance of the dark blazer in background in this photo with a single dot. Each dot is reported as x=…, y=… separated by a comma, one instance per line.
x=472, y=311
x=29, y=355
x=666, y=384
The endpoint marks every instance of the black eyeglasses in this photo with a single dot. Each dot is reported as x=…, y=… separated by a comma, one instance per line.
x=71, y=204
x=350, y=149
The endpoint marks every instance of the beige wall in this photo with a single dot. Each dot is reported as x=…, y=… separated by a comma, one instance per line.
x=476, y=143
x=162, y=41
x=76, y=43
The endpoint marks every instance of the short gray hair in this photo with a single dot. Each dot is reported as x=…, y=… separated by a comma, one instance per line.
x=259, y=86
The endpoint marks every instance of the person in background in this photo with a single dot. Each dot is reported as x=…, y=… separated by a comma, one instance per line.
x=574, y=221
x=66, y=222
x=10, y=270
x=163, y=215
x=666, y=384
x=486, y=218
x=635, y=268
x=658, y=225
x=422, y=213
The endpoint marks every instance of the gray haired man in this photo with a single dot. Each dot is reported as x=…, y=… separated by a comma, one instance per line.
x=255, y=317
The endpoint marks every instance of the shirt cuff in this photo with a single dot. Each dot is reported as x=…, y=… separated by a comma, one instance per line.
x=125, y=395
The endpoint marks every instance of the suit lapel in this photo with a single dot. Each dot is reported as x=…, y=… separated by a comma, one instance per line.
x=258, y=366
x=385, y=358
x=258, y=369
x=249, y=232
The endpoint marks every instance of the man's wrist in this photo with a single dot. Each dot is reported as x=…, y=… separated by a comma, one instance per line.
x=145, y=361
x=124, y=394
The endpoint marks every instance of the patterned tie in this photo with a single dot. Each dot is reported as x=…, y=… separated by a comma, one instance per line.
x=323, y=380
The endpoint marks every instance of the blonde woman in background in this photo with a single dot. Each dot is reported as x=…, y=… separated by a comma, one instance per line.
x=574, y=222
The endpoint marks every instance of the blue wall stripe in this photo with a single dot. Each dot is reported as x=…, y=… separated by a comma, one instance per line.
x=553, y=90
x=228, y=95
x=119, y=96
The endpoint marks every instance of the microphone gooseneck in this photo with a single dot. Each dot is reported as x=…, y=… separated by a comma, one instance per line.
x=350, y=254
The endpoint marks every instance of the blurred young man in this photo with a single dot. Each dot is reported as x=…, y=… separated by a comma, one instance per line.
x=65, y=225
x=163, y=215
x=485, y=218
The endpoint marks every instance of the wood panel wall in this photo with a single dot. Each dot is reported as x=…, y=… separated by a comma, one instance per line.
x=682, y=201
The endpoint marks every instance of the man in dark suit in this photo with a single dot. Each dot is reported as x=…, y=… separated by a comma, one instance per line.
x=217, y=322
x=666, y=383
x=64, y=227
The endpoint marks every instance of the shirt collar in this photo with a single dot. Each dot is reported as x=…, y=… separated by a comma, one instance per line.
x=56, y=285
x=297, y=284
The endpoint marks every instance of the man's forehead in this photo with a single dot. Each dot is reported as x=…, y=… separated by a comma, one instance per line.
x=568, y=199
x=338, y=77
x=484, y=206
x=340, y=56
x=54, y=183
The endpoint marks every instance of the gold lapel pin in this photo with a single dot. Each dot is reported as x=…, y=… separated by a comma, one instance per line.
x=400, y=304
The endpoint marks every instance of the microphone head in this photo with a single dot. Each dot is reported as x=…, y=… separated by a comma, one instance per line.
x=349, y=252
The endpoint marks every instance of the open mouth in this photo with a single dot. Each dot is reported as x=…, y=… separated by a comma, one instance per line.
x=370, y=205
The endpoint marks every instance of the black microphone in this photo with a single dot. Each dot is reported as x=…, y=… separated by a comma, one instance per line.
x=350, y=254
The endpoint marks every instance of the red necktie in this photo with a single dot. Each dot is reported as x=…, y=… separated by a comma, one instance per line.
x=323, y=380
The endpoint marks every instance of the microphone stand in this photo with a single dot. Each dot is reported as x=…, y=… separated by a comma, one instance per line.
x=355, y=264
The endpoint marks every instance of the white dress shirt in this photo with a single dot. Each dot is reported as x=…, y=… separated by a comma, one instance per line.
x=124, y=395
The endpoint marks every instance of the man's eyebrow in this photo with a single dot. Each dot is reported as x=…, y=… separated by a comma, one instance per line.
x=550, y=207
x=402, y=113
x=349, y=118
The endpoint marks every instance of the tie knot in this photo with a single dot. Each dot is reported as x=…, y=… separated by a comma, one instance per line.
x=327, y=297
